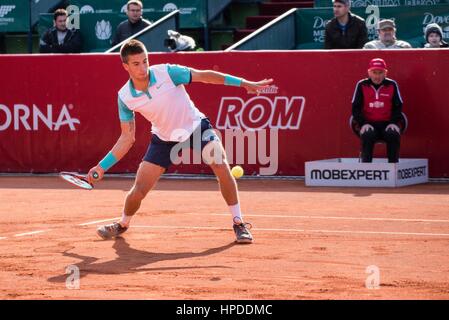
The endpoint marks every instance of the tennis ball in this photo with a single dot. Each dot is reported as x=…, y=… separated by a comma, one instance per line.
x=237, y=171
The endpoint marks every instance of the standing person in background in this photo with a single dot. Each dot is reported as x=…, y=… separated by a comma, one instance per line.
x=345, y=30
x=134, y=24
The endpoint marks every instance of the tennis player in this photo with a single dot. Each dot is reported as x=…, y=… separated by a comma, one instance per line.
x=158, y=93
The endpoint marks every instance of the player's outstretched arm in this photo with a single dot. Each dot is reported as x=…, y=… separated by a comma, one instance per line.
x=118, y=151
x=214, y=77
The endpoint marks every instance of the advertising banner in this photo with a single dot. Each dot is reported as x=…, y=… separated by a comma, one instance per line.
x=193, y=13
x=60, y=113
x=97, y=29
x=382, y=3
x=14, y=16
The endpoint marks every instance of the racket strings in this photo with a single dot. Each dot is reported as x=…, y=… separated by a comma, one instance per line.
x=76, y=180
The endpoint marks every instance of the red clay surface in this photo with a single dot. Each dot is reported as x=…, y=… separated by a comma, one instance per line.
x=310, y=243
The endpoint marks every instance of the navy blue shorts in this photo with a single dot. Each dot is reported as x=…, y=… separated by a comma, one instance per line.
x=159, y=150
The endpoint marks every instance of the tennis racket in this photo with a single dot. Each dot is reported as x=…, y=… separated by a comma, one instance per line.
x=77, y=179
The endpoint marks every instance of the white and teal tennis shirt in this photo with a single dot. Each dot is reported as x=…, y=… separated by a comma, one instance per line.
x=166, y=103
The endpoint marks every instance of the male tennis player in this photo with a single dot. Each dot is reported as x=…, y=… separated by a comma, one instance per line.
x=158, y=93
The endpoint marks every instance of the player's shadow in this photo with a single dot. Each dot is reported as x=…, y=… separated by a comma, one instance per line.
x=132, y=260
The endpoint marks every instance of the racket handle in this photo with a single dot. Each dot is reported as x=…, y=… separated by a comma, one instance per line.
x=95, y=175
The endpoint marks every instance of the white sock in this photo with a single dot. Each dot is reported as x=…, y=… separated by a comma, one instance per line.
x=125, y=220
x=236, y=213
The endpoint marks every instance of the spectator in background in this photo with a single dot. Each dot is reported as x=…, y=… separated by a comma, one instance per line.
x=59, y=39
x=377, y=111
x=345, y=30
x=134, y=24
x=387, y=37
x=434, y=36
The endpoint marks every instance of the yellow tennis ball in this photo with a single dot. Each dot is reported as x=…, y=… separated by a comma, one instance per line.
x=237, y=171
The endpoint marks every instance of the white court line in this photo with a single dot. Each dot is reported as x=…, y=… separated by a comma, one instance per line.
x=97, y=221
x=181, y=227
x=280, y=230
x=322, y=217
x=30, y=233
x=303, y=230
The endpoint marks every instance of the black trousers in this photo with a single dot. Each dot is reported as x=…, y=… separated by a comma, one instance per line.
x=390, y=137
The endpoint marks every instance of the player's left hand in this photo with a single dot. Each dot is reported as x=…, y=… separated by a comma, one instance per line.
x=256, y=87
x=99, y=171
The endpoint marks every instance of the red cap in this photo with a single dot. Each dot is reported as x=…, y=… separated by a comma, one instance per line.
x=377, y=64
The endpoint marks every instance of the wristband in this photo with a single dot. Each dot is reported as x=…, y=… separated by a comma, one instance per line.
x=108, y=161
x=232, y=81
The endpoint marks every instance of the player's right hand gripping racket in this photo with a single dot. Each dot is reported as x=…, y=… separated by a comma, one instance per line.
x=77, y=179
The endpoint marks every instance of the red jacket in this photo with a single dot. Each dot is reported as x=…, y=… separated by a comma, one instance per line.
x=376, y=103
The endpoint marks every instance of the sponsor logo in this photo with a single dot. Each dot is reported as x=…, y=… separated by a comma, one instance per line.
x=411, y=173
x=421, y=2
x=4, y=10
x=260, y=112
x=270, y=90
x=381, y=3
x=377, y=104
x=187, y=10
x=431, y=18
x=169, y=7
x=319, y=25
x=22, y=116
x=319, y=22
x=346, y=174
x=103, y=30
x=87, y=9
x=393, y=3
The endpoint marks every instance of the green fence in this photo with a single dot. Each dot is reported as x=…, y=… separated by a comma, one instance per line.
x=14, y=16
x=193, y=13
x=382, y=3
x=410, y=23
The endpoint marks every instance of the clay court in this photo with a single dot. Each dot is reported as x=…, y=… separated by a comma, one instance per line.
x=310, y=243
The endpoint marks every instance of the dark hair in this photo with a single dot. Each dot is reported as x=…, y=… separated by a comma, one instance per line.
x=131, y=47
x=135, y=2
x=59, y=12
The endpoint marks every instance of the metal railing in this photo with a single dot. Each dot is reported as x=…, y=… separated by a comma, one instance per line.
x=42, y=6
x=279, y=34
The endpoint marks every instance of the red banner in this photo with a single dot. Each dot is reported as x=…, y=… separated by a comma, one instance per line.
x=59, y=112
